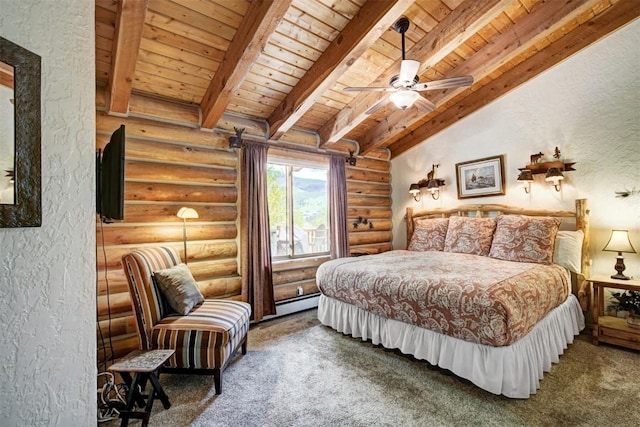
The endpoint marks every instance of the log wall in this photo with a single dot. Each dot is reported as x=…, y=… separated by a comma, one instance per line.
x=170, y=163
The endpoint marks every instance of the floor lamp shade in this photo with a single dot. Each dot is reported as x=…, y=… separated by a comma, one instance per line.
x=186, y=213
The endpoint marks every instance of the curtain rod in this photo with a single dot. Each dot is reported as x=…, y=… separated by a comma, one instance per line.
x=287, y=147
x=237, y=139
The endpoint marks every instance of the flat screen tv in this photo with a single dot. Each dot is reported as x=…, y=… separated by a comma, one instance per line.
x=110, y=178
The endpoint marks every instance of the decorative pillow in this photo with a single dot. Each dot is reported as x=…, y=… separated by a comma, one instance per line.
x=470, y=235
x=165, y=308
x=179, y=288
x=429, y=235
x=568, y=250
x=524, y=238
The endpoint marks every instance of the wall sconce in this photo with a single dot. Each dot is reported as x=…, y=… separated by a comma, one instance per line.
x=552, y=169
x=414, y=190
x=236, y=141
x=526, y=178
x=434, y=187
x=432, y=184
x=554, y=176
x=619, y=242
x=186, y=213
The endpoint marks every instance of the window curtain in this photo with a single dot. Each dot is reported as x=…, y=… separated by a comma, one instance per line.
x=257, y=282
x=338, y=208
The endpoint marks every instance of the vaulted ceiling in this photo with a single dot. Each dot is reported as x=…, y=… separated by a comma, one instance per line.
x=287, y=61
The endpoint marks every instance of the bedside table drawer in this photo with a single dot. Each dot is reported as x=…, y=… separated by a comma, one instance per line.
x=615, y=330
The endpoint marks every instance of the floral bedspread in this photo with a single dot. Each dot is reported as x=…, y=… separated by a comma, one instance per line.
x=474, y=298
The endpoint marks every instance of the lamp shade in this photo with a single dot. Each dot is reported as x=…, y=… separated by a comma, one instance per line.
x=187, y=213
x=433, y=183
x=554, y=175
x=414, y=189
x=404, y=98
x=619, y=242
x=525, y=176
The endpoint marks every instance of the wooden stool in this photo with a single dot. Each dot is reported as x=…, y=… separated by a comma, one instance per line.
x=144, y=365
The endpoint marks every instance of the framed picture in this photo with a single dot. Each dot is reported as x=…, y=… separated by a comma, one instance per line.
x=481, y=178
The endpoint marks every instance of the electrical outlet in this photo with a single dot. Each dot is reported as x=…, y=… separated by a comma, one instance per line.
x=300, y=291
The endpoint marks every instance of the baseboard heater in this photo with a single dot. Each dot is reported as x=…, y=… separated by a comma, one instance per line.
x=295, y=305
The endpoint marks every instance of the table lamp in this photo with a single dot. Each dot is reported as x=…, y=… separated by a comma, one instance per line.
x=619, y=242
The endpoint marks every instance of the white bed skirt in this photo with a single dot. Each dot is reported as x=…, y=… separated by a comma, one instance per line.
x=514, y=371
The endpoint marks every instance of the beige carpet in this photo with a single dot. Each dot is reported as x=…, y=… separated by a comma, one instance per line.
x=300, y=373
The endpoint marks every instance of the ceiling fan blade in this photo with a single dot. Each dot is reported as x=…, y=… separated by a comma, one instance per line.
x=368, y=89
x=424, y=104
x=408, y=70
x=378, y=105
x=445, y=83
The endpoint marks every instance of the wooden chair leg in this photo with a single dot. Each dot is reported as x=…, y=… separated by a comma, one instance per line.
x=217, y=380
x=217, y=372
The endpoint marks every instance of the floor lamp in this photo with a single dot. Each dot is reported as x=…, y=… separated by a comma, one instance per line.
x=185, y=213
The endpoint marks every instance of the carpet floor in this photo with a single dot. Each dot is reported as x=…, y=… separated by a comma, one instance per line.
x=298, y=372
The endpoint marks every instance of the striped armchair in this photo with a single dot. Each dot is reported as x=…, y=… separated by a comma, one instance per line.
x=204, y=340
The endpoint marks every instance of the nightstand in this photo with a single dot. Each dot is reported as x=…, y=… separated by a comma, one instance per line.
x=609, y=329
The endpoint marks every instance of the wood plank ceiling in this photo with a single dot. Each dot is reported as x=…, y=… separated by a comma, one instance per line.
x=287, y=61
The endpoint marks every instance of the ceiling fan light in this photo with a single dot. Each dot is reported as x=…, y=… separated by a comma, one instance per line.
x=404, y=98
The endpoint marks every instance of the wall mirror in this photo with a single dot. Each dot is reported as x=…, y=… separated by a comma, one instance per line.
x=20, y=133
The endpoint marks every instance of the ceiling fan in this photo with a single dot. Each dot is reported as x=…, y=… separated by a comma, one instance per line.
x=404, y=87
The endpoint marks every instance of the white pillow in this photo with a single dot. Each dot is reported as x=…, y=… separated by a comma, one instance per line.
x=568, y=250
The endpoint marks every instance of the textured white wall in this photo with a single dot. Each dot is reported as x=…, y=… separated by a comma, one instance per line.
x=47, y=274
x=589, y=107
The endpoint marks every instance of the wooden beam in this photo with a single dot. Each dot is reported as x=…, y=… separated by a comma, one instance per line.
x=587, y=33
x=367, y=26
x=458, y=26
x=538, y=24
x=126, y=43
x=261, y=20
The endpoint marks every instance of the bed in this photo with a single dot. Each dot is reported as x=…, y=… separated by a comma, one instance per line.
x=492, y=293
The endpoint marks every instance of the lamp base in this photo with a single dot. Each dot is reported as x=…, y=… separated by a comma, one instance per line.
x=620, y=276
x=620, y=267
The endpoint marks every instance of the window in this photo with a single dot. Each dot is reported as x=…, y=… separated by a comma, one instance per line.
x=298, y=213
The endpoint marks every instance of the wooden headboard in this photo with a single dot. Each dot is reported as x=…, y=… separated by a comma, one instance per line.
x=571, y=220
